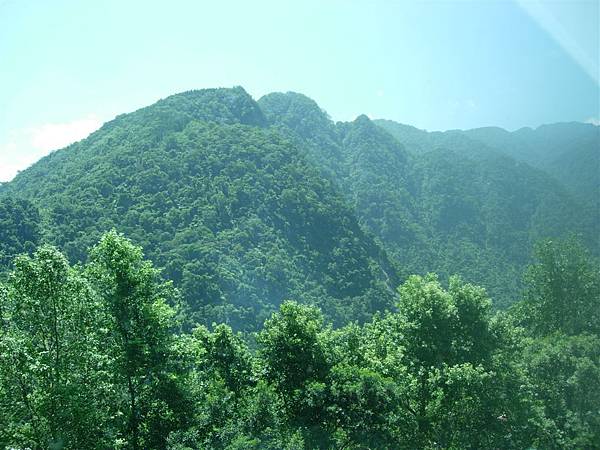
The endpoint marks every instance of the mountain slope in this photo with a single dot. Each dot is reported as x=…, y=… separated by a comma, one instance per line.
x=20, y=229
x=234, y=212
x=245, y=204
x=568, y=151
x=440, y=202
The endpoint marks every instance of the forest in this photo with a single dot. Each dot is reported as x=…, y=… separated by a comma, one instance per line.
x=215, y=272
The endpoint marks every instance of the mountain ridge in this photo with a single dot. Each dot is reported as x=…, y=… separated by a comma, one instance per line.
x=232, y=212
x=245, y=203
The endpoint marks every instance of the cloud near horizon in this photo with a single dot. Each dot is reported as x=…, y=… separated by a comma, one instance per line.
x=26, y=146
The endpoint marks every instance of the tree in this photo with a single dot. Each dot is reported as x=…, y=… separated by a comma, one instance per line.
x=560, y=314
x=563, y=290
x=294, y=354
x=140, y=335
x=447, y=369
x=565, y=371
x=362, y=408
x=53, y=370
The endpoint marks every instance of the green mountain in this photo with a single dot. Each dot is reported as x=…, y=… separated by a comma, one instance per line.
x=232, y=210
x=418, y=141
x=440, y=202
x=247, y=203
x=569, y=152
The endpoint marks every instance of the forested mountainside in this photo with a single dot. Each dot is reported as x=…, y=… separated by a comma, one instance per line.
x=20, y=228
x=245, y=204
x=270, y=291
x=569, y=152
x=232, y=210
x=439, y=202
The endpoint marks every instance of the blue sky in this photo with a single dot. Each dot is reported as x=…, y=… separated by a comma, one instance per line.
x=66, y=66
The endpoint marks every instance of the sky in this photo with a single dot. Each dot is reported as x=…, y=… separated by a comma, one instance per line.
x=67, y=66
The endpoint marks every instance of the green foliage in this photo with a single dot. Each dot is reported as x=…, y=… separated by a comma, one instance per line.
x=292, y=347
x=452, y=380
x=561, y=353
x=91, y=357
x=20, y=228
x=139, y=339
x=566, y=374
x=563, y=292
x=362, y=406
x=54, y=374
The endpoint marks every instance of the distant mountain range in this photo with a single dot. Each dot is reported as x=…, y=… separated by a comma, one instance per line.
x=570, y=152
x=247, y=203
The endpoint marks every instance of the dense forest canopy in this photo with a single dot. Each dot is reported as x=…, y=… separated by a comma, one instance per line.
x=217, y=272
x=94, y=356
x=245, y=204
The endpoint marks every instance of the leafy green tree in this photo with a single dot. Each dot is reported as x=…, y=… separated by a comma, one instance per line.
x=563, y=290
x=362, y=408
x=54, y=372
x=566, y=373
x=295, y=357
x=559, y=316
x=140, y=336
x=292, y=347
x=228, y=355
x=445, y=357
x=232, y=406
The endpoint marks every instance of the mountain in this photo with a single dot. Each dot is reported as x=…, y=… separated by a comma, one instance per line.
x=441, y=202
x=246, y=203
x=418, y=141
x=569, y=152
x=232, y=210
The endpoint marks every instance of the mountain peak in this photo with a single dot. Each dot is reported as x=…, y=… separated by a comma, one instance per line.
x=296, y=111
x=223, y=105
x=218, y=105
x=362, y=118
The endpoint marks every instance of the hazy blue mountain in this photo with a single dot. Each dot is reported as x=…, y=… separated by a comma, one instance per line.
x=568, y=151
x=442, y=202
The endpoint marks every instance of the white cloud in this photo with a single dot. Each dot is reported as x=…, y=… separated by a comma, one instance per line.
x=593, y=121
x=26, y=146
x=8, y=169
x=52, y=136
